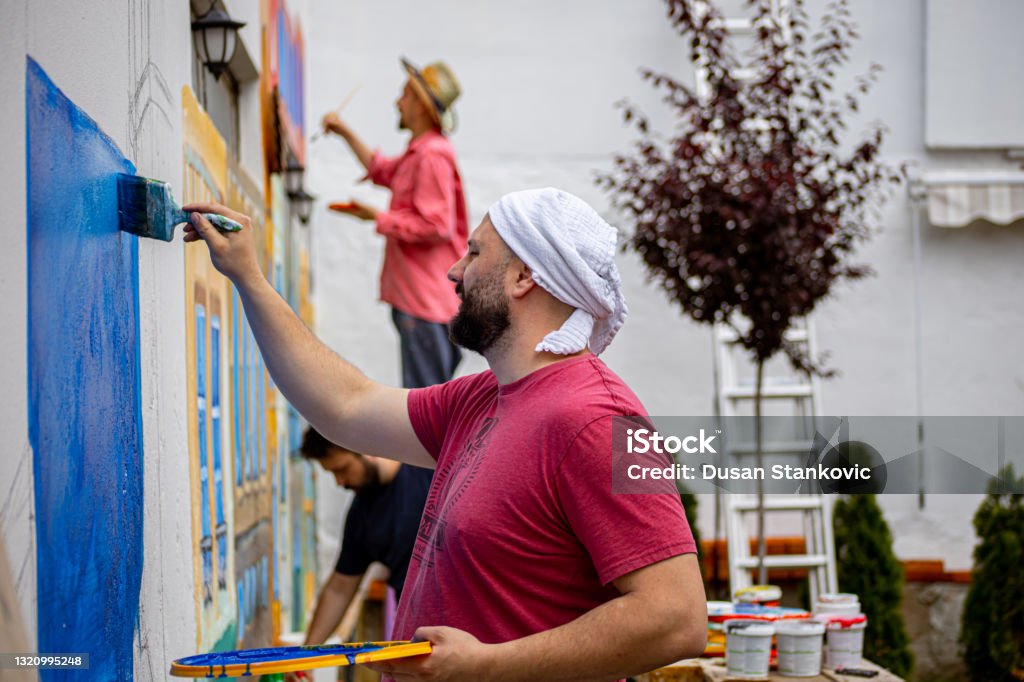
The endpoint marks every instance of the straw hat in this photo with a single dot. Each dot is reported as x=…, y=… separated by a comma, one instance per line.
x=437, y=86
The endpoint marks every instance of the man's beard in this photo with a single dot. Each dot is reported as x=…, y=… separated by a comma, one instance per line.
x=372, y=483
x=482, y=318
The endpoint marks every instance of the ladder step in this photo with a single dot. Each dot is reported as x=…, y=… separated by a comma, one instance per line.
x=739, y=25
x=796, y=503
x=785, y=561
x=728, y=335
x=767, y=392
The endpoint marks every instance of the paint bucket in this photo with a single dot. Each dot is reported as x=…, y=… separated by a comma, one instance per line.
x=766, y=595
x=839, y=603
x=798, y=643
x=748, y=648
x=845, y=646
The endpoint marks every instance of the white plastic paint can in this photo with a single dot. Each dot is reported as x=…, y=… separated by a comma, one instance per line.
x=748, y=648
x=845, y=645
x=768, y=595
x=839, y=603
x=798, y=643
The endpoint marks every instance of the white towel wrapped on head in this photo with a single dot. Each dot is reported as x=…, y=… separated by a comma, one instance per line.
x=570, y=250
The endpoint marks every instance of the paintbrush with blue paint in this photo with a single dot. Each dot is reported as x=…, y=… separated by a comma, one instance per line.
x=146, y=207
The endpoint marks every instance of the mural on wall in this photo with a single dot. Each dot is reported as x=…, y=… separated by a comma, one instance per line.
x=283, y=596
x=281, y=86
x=302, y=483
x=253, y=518
x=253, y=434
x=293, y=510
x=214, y=412
x=84, y=387
x=252, y=511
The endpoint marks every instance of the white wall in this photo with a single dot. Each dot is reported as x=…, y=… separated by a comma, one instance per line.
x=539, y=81
x=166, y=604
x=125, y=65
x=16, y=500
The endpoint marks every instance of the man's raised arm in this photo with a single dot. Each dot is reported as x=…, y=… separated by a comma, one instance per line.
x=336, y=398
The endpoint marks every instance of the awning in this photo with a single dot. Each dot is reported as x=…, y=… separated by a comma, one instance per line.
x=956, y=198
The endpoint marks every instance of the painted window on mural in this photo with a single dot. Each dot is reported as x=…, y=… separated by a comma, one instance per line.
x=206, y=540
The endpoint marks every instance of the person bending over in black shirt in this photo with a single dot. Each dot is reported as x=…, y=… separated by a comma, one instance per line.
x=381, y=524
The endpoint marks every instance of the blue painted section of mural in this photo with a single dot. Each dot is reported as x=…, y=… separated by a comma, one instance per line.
x=260, y=373
x=84, y=390
x=243, y=402
x=206, y=539
x=235, y=336
x=250, y=394
x=290, y=68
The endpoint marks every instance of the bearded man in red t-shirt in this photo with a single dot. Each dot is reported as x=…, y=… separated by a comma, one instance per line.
x=527, y=566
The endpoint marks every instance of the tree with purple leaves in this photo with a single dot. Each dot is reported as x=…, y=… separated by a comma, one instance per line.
x=749, y=211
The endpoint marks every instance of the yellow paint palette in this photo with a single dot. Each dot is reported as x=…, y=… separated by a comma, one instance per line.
x=289, y=659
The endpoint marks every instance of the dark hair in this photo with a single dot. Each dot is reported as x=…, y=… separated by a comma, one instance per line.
x=315, y=446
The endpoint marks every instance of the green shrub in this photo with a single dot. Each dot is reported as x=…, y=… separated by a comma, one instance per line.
x=868, y=567
x=993, y=620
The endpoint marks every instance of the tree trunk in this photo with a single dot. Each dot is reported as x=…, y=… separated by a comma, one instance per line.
x=762, y=571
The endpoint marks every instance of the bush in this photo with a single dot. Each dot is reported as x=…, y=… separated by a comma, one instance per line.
x=993, y=619
x=868, y=567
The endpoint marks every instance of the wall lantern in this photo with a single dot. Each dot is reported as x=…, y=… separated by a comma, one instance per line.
x=293, y=173
x=216, y=36
x=302, y=203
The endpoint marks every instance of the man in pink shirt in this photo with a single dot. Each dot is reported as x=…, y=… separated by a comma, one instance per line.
x=425, y=226
x=527, y=565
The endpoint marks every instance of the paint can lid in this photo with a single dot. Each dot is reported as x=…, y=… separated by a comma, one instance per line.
x=758, y=594
x=719, y=608
x=800, y=627
x=749, y=628
x=837, y=609
x=838, y=598
x=842, y=622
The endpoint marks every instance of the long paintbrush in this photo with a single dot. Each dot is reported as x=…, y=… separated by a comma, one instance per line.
x=341, y=107
x=146, y=207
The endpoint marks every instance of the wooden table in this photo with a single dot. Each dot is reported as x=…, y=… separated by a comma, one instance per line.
x=713, y=670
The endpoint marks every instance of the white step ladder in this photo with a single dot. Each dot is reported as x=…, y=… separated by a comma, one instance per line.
x=797, y=396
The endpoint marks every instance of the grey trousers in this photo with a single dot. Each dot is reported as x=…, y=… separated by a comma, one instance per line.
x=428, y=355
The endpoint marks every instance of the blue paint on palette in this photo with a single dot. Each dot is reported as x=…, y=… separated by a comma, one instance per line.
x=84, y=395
x=276, y=654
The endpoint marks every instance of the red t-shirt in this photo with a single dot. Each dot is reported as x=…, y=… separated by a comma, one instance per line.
x=521, y=531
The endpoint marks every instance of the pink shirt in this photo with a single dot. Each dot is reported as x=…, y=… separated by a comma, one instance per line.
x=425, y=226
x=521, y=531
